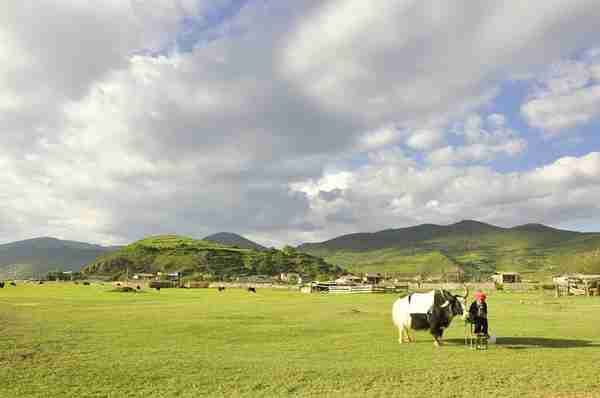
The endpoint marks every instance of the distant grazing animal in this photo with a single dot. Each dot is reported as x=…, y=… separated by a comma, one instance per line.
x=157, y=289
x=221, y=288
x=138, y=287
x=1, y=285
x=118, y=284
x=252, y=289
x=13, y=284
x=86, y=283
x=39, y=283
x=433, y=310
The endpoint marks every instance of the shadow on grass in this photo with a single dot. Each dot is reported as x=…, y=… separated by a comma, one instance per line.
x=520, y=343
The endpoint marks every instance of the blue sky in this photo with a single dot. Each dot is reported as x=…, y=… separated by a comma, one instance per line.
x=296, y=121
x=195, y=30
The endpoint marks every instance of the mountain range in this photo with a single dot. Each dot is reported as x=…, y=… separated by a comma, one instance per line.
x=34, y=258
x=477, y=248
x=231, y=239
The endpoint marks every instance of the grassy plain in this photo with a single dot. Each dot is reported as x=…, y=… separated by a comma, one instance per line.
x=65, y=340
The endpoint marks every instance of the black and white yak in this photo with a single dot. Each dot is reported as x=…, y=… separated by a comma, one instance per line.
x=431, y=311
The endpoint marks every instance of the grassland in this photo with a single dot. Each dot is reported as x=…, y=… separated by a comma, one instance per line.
x=64, y=340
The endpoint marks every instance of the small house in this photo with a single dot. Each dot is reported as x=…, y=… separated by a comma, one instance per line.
x=454, y=274
x=348, y=280
x=506, y=277
x=290, y=277
x=372, y=278
x=144, y=276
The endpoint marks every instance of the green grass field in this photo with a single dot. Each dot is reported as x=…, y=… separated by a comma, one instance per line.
x=64, y=340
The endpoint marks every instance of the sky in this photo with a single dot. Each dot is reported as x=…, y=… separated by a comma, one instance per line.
x=299, y=121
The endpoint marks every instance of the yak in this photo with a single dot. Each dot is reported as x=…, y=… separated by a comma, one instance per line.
x=252, y=290
x=221, y=288
x=431, y=311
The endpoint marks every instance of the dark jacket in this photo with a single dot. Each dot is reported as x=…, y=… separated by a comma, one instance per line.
x=478, y=310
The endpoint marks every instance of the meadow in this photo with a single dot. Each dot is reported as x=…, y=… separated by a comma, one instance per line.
x=66, y=340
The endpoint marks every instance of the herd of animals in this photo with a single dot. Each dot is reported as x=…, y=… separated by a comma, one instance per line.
x=431, y=311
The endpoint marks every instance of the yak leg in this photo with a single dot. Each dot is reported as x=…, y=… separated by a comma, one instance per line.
x=438, y=339
x=400, y=334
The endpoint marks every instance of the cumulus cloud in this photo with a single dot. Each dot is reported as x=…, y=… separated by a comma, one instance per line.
x=424, y=139
x=103, y=141
x=483, y=141
x=567, y=96
x=395, y=195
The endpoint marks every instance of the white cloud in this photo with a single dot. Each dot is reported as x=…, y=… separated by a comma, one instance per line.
x=484, y=140
x=424, y=139
x=378, y=138
x=392, y=195
x=103, y=145
x=567, y=96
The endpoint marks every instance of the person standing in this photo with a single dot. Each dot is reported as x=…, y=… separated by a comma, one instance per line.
x=478, y=312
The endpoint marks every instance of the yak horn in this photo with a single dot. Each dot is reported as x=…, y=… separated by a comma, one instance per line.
x=466, y=291
x=447, y=303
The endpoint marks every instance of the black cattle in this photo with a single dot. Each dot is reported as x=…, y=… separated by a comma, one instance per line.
x=86, y=283
x=221, y=288
x=13, y=284
x=157, y=289
x=138, y=287
x=251, y=290
x=1, y=285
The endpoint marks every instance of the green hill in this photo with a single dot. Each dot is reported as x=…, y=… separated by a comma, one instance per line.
x=231, y=239
x=34, y=258
x=202, y=259
x=480, y=249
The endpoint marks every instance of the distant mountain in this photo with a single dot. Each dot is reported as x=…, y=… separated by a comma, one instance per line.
x=478, y=248
x=401, y=237
x=33, y=258
x=231, y=239
x=204, y=259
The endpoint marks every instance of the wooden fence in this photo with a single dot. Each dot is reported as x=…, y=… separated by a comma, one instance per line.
x=354, y=289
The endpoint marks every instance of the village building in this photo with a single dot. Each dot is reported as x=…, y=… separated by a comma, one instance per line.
x=372, y=278
x=577, y=284
x=454, y=274
x=291, y=277
x=506, y=277
x=348, y=280
x=144, y=276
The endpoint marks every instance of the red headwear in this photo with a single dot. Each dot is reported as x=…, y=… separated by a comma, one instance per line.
x=479, y=296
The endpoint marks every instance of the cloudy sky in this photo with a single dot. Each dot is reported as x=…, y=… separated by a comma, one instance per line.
x=293, y=121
